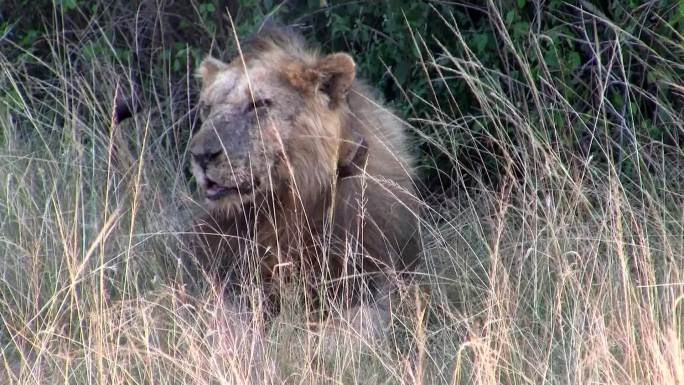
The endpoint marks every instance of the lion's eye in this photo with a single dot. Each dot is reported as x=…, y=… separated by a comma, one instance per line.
x=258, y=103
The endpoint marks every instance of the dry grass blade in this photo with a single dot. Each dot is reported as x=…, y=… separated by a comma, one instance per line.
x=569, y=271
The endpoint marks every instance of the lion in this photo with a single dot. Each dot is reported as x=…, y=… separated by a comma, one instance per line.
x=304, y=174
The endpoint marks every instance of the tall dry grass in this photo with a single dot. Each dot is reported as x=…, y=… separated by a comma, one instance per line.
x=568, y=272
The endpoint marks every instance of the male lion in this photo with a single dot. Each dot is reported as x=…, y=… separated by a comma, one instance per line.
x=304, y=175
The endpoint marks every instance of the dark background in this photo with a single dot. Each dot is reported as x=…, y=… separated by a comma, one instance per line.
x=409, y=51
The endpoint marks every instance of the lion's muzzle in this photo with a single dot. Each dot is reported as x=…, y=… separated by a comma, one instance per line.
x=222, y=133
x=220, y=153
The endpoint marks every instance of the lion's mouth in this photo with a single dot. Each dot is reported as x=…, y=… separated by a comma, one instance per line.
x=215, y=191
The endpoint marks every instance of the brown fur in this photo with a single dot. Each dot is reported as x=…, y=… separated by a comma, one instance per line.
x=322, y=173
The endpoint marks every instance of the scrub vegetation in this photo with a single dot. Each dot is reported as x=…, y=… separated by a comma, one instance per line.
x=550, y=139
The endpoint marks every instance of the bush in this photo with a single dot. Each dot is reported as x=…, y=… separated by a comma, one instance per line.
x=407, y=51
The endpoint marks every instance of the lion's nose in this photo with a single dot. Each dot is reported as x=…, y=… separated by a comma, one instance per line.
x=203, y=158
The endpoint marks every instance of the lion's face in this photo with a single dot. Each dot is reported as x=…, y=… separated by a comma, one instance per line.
x=245, y=123
x=264, y=126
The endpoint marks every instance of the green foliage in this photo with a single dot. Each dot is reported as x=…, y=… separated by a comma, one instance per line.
x=410, y=52
x=406, y=50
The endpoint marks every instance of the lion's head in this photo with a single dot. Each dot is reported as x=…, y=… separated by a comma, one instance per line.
x=271, y=120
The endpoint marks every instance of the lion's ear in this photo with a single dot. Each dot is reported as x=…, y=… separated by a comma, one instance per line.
x=209, y=68
x=353, y=153
x=337, y=72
